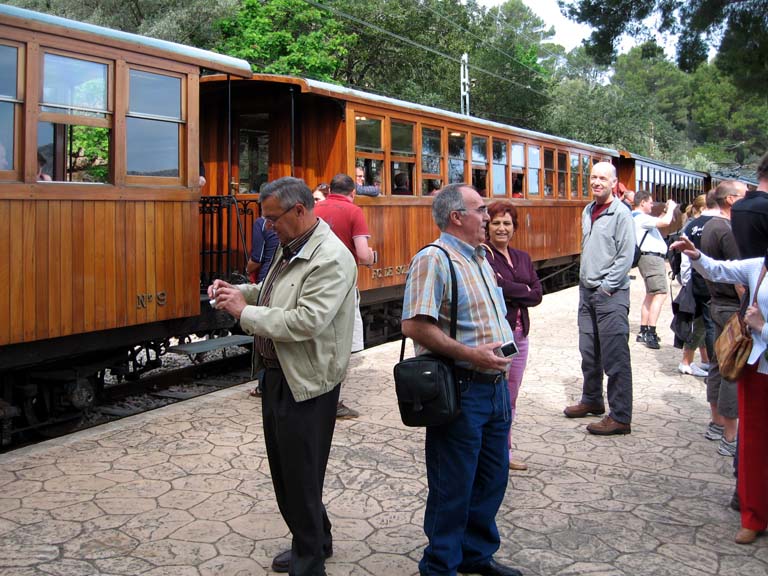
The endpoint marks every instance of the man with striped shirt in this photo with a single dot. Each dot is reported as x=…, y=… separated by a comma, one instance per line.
x=467, y=459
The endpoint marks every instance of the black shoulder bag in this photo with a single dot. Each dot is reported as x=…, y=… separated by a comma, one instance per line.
x=428, y=392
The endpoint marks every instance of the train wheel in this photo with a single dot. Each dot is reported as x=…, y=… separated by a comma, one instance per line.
x=44, y=418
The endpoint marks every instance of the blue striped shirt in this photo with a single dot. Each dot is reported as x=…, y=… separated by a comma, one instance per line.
x=481, y=309
x=747, y=273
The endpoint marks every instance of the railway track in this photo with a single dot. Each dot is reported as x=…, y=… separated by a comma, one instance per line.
x=127, y=398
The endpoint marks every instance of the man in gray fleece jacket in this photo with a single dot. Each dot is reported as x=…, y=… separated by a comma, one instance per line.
x=607, y=249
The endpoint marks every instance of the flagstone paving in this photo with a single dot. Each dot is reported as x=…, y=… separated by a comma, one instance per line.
x=185, y=490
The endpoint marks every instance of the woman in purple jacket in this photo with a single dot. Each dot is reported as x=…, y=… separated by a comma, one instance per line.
x=521, y=287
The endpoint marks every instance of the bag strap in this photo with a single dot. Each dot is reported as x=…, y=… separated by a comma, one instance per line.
x=454, y=298
x=640, y=246
x=745, y=298
x=757, y=286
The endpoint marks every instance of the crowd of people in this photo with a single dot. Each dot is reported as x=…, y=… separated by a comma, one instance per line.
x=303, y=309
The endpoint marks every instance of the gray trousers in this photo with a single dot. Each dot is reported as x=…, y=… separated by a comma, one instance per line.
x=720, y=391
x=604, y=346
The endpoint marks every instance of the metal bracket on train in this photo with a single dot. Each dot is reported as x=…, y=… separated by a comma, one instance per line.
x=7, y=414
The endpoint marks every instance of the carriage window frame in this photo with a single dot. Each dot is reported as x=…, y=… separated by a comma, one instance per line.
x=372, y=161
x=180, y=122
x=575, y=175
x=534, y=170
x=483, y=165
x=426, y=176
x=456, y=160
x=519, y=169
x=81, y=117
x=500, y=168
x=402, y=158
x=562, y=170
x=16, y=102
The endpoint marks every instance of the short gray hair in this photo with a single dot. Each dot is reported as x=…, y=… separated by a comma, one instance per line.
x=448, y=200
x=289, y=191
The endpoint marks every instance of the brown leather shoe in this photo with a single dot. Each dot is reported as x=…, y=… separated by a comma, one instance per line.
x=745, y=536
x=581, y=410
x=608, y=426
x=517, y=465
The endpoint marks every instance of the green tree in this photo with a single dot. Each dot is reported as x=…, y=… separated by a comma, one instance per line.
x=189, y=22
x=286, y=37
x=738, y=28
x=645, y=73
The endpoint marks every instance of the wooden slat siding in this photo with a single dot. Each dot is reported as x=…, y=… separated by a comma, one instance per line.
x=120, y=271
x=152, y=249
x=89, y=266
x=42, y=274
x=111, y=278
x=5, y=273
x=78, y=267
x=159, y=256
x=16, y=275
x=176, y=296
x=101, y=229
x=28, y=270
x=166, y=263
x=54, y=280
x=66, y=273
x=130, y=263
x=192, y=241
x=140, y=267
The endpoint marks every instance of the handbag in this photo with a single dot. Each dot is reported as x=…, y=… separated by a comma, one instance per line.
x=734, y=345
x=427, y=389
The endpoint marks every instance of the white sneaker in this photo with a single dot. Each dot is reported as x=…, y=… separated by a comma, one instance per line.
x=697, y=371
x=705, y=366
x=684, y=368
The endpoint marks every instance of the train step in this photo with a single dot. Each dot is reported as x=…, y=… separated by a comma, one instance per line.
x=211, y=344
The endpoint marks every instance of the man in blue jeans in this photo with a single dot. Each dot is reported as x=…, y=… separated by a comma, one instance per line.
x=467, y=459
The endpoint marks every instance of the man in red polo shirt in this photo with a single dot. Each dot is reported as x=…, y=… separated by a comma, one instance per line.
x=348, y=223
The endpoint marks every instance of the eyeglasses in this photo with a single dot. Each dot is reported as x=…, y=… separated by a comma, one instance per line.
x=270, y=221
x=480, y=209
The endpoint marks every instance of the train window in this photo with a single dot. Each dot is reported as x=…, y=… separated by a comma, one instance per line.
x=253, y=152
x=431, y=160
x=518, y=170
x=500, y=162
x=368, y=134
x=154, y=125
x=549, y=172
x=480, y=164
x=402, y=139
x=74, y=87
x=457, y=154
x=534, y=168
x=586, y=168
x=9, y=105
x=74, y=129
x=402, y=178
x=575, y=175
x=562, y=174
x=402, y=157
x=372, y=171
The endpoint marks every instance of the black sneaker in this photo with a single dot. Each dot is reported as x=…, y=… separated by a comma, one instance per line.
x=640, y=337
x=652, y=340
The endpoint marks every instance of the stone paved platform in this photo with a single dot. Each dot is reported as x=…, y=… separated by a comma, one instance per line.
x=185, y=490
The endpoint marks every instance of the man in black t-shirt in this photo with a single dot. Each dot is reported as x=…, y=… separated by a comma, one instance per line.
x=749, y=217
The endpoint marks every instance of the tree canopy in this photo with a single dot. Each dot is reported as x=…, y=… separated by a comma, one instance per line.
x=737, y=28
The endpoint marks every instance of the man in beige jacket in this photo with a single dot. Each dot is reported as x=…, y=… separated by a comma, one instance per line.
x=301, y=316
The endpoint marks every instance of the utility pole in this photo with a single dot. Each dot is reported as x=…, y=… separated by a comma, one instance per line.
x=465, y=84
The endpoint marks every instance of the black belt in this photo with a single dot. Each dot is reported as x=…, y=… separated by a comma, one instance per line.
x=271, y=363
x=477, y=377
x=653, y=254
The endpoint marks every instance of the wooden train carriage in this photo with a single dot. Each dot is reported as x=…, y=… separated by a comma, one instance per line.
x=99, y=190
x=663, y=180
x=313, y=130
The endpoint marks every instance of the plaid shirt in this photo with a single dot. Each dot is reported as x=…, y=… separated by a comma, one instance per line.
x=481, y=309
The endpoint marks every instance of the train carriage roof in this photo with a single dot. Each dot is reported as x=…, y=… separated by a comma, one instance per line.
x=664, y=165
x=350, y=94
x=30, y=20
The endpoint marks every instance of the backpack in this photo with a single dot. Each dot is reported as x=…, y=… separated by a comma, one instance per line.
x=675, y=257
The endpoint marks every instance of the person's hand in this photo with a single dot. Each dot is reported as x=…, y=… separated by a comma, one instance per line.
x=229, y=299
x=213, y=288
x=754, y=318
x=484, y=356
x=685, y=246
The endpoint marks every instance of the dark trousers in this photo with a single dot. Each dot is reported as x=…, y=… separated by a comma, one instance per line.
x=298, y=437
x=467, y=472
x=604, y=346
